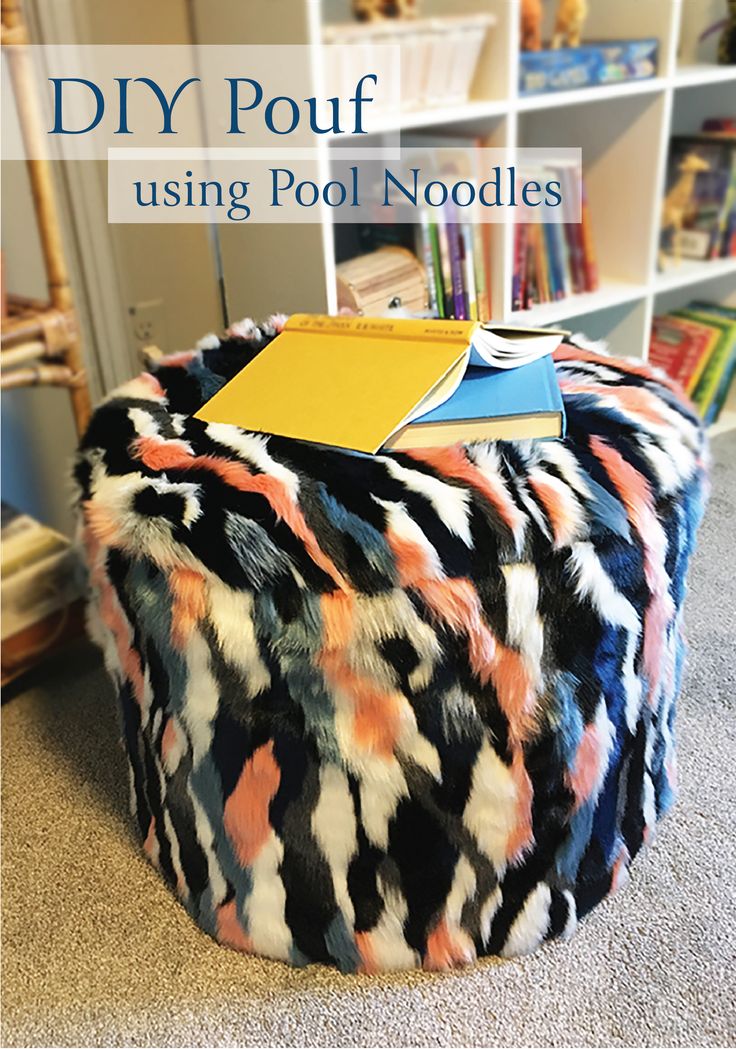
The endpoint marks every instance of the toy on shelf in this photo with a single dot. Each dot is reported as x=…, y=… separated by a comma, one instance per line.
x=571, y=16
x=569, y=22
x=679, y=201
x=377, y=10
x=531, y=25
x=727, y=41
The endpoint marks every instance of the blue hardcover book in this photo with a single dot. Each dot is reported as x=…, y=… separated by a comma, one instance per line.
x=498, y=404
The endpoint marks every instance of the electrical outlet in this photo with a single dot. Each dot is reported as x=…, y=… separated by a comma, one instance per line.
x=147, y=324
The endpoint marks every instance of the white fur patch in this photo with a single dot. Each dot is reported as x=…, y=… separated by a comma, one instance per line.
x=524, y=623
x=595, y=583
x=333, y=825
x=490, y=812
x=449, y=501
x=463, y=888
x=231, y=616
x=572, y=916
x=556, y=453
x=531, y=923
x=201, y=698
x=488, y=913
x=389, y=947
x=265, y=907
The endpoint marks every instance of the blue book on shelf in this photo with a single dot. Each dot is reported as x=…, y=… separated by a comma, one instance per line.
x=501, y=404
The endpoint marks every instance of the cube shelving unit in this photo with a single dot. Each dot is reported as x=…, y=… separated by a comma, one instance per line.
x=623, y=130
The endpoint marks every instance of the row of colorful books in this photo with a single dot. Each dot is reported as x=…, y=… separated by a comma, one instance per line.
x=457, y=262
x=709, y=218
x=697, y=347
x=553, y=260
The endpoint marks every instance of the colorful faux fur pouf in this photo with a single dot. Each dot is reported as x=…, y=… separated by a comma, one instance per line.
x=393, y=711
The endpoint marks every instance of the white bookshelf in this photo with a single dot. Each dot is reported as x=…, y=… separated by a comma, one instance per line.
x=623, y=131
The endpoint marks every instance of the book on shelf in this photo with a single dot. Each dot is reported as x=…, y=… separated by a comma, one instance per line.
x=40, y=579
x=709, y=219
x=556, y=259
x=681, y=347
x=464, y=287
x=696, y=346
x=356, y=382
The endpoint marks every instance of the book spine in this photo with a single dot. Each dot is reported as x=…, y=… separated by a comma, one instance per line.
x=481, y=279
x=557, y=287
x=589, y=256
x=485, y=232
x=572, y=239
x=439, y=290
x=428, y=258
x=532, y=268
x=712, y=337
x=710, y=380
x=542, y=267
x=519, y=265
x=445, y=271
x=456, y=266
x=728, y=211
x=722, y=392
x=471, y=292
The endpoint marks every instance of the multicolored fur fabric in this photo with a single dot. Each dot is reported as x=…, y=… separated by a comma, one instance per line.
x=393, y=711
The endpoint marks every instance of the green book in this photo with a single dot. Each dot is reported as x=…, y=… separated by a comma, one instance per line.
x=709, y=386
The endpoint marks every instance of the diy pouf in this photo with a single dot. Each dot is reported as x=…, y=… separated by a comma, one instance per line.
x=401, y=710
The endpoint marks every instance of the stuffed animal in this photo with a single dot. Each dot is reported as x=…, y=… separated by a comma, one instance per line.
x=678, y=202
x=727, y=41
x=531, y=25
x=571, y=16
x=376, y=10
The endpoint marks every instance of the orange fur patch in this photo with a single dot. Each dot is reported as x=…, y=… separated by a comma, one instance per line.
x=369, y=963
x=447, y=948
x=377, y=712
x=246, y=810
x=189, y=604
x=589, y=758
x=338, y=614
x=230, y=931
x=560, y=507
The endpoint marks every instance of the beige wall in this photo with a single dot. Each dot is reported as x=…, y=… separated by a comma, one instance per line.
x=171, y=263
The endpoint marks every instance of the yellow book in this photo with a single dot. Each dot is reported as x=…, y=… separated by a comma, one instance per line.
x=351, y=390
x=352, y=382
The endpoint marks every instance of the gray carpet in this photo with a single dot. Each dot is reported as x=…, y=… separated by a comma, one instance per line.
x=97, y=952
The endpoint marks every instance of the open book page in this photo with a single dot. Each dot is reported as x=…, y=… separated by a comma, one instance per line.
x=501, y=347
